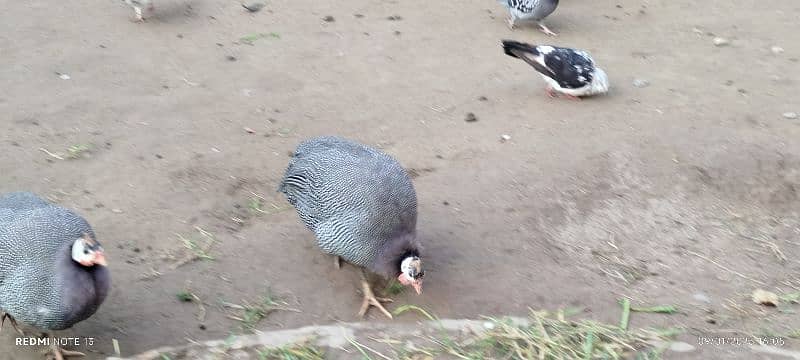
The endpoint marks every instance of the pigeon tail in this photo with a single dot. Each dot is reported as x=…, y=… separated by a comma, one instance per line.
x=514, y=48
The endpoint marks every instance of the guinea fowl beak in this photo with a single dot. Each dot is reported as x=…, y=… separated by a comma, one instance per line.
x=100, y=259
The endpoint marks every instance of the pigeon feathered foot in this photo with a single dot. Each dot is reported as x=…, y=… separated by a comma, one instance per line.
x=13, y=322
x=511, y=22
x=545, y=30
x=370, y=299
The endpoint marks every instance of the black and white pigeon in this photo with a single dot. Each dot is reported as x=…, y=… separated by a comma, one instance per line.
x=567, y=71
x=530, y=10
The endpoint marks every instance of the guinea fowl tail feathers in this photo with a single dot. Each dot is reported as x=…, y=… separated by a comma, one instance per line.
x=514, y=48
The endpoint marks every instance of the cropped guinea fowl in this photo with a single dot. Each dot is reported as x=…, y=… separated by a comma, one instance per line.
x=52, y=269
x=362, y=207
x=530, y=10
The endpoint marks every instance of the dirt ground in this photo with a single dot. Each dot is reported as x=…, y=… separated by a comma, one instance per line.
x=682, y=192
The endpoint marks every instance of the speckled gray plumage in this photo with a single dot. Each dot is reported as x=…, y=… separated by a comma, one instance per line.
x=40, y=284
x=533, y=10
x=358, y=201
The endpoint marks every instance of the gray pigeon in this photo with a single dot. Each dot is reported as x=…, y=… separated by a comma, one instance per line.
x=362, y=207
x=52, y=269
x=530, y=10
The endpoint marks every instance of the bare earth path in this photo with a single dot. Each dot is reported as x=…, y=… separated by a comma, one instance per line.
x=683, y=192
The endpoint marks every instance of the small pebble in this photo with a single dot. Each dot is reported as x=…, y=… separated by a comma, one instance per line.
x=394, y=18
x=358, y=15
x=202, y=327
x=63, y=76
x=483, y=98
x=505, y=137
x=116, y=211
x=328, y=19
x=702, y=298
x=471, y=117
x=790, y=115
x=680, y=346
x=231, y=58
x=254, y=7
x=719, y=41
x=249, y=130
x=641, y=83
x=159, y=156
x=776, y=50
x=136, y=250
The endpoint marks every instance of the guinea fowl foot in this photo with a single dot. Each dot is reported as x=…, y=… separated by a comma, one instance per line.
x=57, y=353
x=551, y=93
x=545, y=30
x=370, y=299
x=13, y=322
x=575, y=98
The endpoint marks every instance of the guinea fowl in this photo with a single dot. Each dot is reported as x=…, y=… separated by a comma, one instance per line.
x=362, y=207
x=52, y=269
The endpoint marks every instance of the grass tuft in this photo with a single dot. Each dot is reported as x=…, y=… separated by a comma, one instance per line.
x=292, y=352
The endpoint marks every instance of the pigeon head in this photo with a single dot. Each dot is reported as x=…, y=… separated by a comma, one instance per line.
x=411, y=273
x=599, y=82
x=88, y=252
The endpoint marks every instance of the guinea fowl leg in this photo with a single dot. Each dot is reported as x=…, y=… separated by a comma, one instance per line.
x=370, y=299
x=57, y=353
x=13, y=322
x=546, y=30
x=337, y=261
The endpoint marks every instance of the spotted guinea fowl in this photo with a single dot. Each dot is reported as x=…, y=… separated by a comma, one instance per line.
x=362, y=207
x=530, y=10
x=52, y=269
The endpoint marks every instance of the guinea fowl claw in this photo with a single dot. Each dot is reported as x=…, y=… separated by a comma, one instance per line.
x=12, y=321
x=371, y=300
x=57, y=353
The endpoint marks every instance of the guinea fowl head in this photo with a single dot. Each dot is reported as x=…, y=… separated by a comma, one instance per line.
x=87, y=252
x=411, y=273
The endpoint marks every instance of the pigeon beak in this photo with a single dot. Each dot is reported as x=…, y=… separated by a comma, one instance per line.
x=100, y=259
